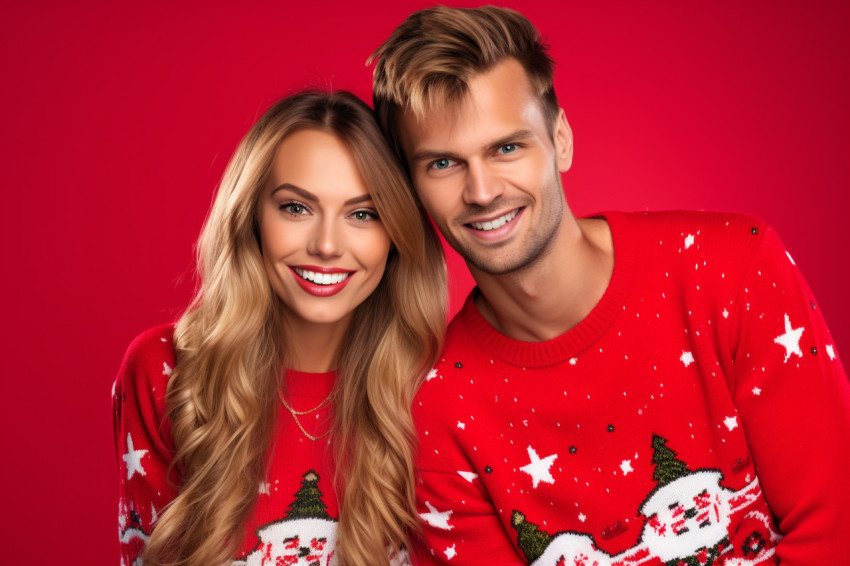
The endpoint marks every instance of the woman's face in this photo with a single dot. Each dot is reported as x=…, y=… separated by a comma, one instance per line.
x=324, y=247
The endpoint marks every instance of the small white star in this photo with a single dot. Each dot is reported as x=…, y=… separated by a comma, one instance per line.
x=731, y=422
x=265, y=488
x=689, y=241
x=538, y=469
x=461, y=425
x=830, y=351
x=573, y=361
x=450, y=552
x=686, y=358
x=468, y=476
x=725, y=313
x=166, y=370
x=790, y=340
x=582, y=517
x=626, y=466
x=431, y=374
x=756, y=391
x=436, y=518
x=133, y=458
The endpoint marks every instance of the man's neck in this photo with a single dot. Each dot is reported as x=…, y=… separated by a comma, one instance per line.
x=556, y=292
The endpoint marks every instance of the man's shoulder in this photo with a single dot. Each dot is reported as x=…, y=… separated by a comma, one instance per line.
x=685, y=222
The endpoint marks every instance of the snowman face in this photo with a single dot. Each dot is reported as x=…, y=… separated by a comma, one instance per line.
x=685, y=515
x=303, y=551
x=300, y=542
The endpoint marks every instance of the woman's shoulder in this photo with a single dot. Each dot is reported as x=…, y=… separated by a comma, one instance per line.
x=149, y=360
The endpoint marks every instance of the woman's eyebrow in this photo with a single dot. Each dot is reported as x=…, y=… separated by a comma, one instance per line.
x=303, y=193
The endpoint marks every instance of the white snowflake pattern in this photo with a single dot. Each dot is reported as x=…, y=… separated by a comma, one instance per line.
x=133, y=458
x=538, y=468
x=437, y=519
x=830, y=351
x=686, y=358
x=790, y=340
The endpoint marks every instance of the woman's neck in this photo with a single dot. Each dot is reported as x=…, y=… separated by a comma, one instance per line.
x=314, y=347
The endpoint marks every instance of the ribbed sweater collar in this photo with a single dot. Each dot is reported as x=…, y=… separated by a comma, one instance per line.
x=580, y=337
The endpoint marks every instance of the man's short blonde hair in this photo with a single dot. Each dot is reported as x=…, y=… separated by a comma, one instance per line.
x=428, y=61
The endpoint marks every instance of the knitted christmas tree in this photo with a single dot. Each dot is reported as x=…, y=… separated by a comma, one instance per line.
x=308, y=500
x=667, y=467
x=530, y=539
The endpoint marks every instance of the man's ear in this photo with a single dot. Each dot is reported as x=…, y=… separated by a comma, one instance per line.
x=563, y=139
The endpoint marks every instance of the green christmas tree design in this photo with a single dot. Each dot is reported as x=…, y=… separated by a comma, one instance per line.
x=668, y=468
x=308, y=502
x=531, y=540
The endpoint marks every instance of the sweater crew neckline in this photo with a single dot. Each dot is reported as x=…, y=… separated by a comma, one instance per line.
x=585, y=333
x=307, y=384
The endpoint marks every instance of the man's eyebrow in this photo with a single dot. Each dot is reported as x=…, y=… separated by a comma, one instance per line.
x=303, y=193
x=307, y=195
x=430, y=154
x=518, y=135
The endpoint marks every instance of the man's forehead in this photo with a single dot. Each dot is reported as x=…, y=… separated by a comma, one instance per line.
x=496, y=100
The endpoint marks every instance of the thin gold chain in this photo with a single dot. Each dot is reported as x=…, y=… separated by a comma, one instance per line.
x=295, y=414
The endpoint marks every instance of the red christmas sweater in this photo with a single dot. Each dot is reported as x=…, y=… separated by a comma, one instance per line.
x=295, y=519
x=698, y=415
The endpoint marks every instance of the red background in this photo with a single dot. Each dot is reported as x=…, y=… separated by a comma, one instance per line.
x=118, y=119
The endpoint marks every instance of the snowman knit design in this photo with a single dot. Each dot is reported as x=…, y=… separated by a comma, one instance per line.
x=699, y=415
x=283, y=529
x=687, y=521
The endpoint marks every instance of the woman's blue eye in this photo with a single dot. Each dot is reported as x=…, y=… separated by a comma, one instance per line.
x=508, y=148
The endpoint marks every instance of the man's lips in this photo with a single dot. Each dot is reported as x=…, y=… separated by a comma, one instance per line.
x=321, y=281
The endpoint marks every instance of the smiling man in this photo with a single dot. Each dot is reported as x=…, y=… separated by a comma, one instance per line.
x=617, y=389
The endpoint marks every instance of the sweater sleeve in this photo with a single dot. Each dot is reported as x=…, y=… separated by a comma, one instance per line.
x=459, y=523
x=142, y=439
x=793, y=400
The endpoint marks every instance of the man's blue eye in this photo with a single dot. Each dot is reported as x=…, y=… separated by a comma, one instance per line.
x=508, y=148
x=441, y=163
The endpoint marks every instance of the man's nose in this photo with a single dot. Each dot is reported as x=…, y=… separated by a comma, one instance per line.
x=482, y=185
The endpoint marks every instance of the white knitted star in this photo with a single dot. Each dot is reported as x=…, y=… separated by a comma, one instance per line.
x=790, y=340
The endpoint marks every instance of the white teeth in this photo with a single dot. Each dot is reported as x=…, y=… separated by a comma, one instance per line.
x=497, y=223
x=321, y=278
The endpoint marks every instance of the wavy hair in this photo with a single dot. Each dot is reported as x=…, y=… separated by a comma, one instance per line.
x=231, y=353
x=427, y=62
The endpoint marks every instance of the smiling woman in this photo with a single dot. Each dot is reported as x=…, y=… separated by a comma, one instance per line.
x=324, y=245
x=273, y=419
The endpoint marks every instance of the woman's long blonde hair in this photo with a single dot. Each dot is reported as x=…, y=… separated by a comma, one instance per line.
x=231, y=352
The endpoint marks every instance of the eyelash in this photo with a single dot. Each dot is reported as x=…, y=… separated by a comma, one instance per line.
x=373, y=215
x=288, y=206
x=514, y=145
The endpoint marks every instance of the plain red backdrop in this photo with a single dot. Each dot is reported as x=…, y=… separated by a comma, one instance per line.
x=118, y=119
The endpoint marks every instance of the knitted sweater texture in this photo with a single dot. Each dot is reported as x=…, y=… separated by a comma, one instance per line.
x=295, y=518
x=698, y=415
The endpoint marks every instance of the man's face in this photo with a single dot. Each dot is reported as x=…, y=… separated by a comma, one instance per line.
x=488, y=173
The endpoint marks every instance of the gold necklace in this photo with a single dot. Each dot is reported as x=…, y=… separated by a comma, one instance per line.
x=295, y=414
